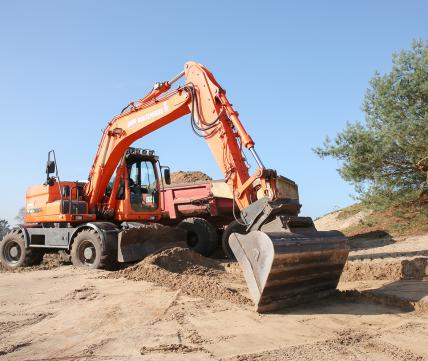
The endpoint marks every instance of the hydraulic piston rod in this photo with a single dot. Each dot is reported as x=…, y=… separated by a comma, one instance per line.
x=177, y=77
x=257, y=158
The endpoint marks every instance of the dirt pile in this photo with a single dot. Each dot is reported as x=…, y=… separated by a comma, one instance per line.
x=182, y=269
x=385, y=269
x=341, y=219
x=188, y=177
x=50, y=261
x=403, y=295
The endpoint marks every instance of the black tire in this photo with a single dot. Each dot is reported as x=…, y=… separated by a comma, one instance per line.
x=233, y=227
x=14, y=254
x=88, y=250
x=201, y=235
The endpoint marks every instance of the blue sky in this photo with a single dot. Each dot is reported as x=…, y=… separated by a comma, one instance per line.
x=295, y=70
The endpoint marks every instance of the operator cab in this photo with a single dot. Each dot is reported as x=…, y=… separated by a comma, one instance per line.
x=138, y=183
x=143, y=187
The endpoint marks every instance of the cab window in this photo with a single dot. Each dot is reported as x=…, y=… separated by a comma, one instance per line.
x=143, y=190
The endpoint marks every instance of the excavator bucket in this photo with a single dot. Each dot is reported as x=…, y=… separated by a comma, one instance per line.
x=140, y=240
x=289, y=268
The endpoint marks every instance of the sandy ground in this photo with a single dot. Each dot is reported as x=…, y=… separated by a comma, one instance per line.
x=73, y=314
x=178, y=305
x=63, y=313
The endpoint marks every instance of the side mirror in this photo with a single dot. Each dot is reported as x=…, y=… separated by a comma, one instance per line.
x=167, y=175
x=50, y=167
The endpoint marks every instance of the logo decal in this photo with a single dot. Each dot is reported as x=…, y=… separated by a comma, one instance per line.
x=153, y=114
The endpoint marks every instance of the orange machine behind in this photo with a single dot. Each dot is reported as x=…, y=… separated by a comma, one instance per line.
x=44, y=203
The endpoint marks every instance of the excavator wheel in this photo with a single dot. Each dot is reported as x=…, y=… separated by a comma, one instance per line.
x=233, y=227
x=88, y=251
x=14, y=254
x=201, y=235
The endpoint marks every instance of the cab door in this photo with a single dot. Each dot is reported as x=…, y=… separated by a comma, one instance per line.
x=141, y=190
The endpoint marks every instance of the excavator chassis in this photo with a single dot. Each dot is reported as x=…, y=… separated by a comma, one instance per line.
x=286, y=261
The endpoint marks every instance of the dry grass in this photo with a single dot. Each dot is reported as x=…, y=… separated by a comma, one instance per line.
x=409, y=219
x=350, y=211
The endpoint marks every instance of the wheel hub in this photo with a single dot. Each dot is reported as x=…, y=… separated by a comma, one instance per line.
x=88, y=253
x=14, y=251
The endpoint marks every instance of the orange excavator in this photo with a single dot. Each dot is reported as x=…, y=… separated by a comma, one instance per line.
x=112, y=216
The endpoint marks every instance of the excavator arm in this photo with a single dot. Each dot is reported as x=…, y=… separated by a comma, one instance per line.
x=212, y=117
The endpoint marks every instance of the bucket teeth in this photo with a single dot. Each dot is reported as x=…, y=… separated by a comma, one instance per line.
x=284, y=269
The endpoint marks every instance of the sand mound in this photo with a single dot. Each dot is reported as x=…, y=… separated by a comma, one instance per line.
x=50, y=261
x=188, y=177
x=182, y=269
x=385, y=269
x=334, y=221
x=186, y=261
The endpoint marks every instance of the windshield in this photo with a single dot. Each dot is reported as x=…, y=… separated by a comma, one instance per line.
x=143, y=189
